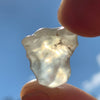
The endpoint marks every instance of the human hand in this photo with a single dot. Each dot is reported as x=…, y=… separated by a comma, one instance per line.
x=33, y=91
x=80, y=16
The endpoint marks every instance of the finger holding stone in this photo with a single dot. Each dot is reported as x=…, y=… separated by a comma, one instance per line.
x=80, y=16
x=33, y=91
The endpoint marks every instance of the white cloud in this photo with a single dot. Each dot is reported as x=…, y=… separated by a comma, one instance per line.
x=93, y=83
x=98, y=59
x=98, y=98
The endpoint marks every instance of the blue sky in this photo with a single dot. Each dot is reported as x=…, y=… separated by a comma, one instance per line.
x=19, y=18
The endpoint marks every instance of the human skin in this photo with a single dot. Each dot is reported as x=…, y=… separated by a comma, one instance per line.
x=33, y=91
x=80, y=16
x=83, y=18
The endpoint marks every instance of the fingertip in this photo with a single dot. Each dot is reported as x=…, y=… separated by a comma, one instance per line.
x=34, y=91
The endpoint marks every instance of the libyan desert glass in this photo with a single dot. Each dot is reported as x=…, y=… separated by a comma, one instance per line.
x=49, y=52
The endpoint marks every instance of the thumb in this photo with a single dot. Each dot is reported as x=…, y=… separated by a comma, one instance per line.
x=33, y=91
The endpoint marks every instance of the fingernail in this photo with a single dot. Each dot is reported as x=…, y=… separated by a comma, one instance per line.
x=36, y=96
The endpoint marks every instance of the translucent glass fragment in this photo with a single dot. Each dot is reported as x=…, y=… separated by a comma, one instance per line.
x=49, y=51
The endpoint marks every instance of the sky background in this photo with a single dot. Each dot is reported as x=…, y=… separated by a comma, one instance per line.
x=19, y=18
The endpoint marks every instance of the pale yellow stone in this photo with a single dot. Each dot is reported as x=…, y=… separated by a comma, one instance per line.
x=49, y=52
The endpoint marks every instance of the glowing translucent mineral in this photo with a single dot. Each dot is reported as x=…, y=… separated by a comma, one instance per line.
x=49, y=52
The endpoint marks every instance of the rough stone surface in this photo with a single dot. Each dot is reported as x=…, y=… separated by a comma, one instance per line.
x=49, y=52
